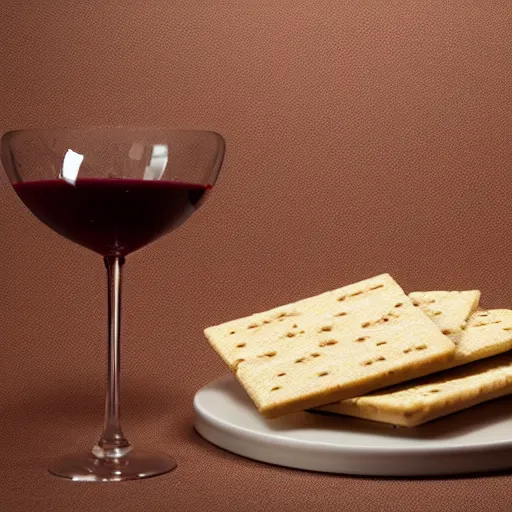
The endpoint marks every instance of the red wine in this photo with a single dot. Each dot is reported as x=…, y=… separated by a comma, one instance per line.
x=111, y=216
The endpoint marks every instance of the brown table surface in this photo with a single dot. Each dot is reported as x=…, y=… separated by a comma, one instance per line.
x=362, y=137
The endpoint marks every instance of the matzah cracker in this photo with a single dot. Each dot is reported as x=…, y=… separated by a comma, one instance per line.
x=339, y=344
x=449, y=310
x=487, y=333
x=436, y=395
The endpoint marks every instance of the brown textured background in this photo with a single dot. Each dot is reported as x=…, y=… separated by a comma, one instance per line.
x=362, y=137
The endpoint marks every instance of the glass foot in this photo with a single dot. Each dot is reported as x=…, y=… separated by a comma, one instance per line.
x=84, y=467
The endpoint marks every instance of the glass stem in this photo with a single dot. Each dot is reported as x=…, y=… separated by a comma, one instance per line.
x=113, y=444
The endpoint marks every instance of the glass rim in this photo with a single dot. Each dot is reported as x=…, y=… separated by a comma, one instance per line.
x=102, y=128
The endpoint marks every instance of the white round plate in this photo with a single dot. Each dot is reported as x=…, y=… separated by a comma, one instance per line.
x=475, y=440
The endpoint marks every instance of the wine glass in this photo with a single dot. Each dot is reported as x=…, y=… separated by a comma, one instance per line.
x=112, y=190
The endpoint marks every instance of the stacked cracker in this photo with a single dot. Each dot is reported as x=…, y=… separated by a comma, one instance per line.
x=337, y=346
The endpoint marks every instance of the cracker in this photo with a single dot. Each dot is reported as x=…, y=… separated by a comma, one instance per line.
x=449, y=310
x=487, y=333
x=336, y=345
x=436, y=395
